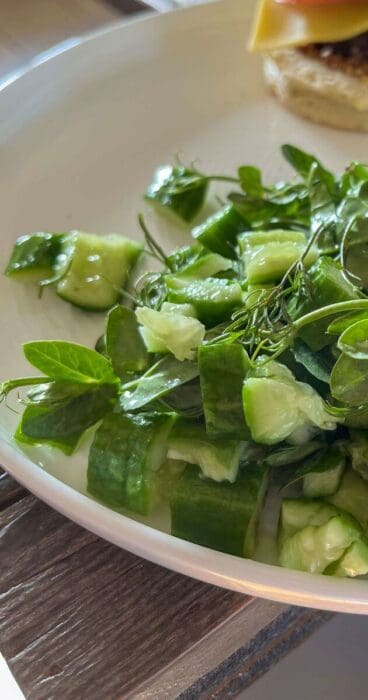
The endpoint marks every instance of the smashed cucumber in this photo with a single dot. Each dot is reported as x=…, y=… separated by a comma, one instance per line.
x=352, y=497
x=221, y=516
x=91, y=270
x=267, y=255
x=315, y=547
x=297, y=513
x=354, y=562
x=326, y=478
x=220, y=232
x=125, y=459
x=222, y=399
x=218, y=459
x=213, y=299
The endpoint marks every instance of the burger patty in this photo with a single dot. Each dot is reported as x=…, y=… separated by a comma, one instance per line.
x=350, y=56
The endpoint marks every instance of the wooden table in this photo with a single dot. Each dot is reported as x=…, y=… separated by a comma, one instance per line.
x=82, y=619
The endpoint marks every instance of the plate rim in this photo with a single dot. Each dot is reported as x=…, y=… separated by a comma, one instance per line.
x=247, y=576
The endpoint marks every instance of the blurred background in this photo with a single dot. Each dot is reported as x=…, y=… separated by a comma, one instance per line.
x=29, y=27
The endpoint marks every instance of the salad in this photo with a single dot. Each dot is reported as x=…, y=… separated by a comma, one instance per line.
x=237, y=361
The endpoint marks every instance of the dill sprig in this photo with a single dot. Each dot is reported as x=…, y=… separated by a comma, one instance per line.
x=266, y=325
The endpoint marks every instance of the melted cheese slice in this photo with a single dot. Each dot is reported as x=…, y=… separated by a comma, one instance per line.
x=280, y=26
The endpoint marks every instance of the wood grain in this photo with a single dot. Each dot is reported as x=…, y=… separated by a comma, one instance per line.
x=81, y=618
x=10, y=491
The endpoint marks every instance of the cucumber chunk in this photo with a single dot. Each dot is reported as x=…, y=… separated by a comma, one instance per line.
x=170, y=332
x=353, y=563
x=297, y=513
x=222, y=400
x=213, y=299
x=92, y=270
x=219, y=232
x=315, y=547
x=352, y=496
x=125, y=458
x=326, y=479
x=218, y=459
x=328, y=285
x=277, y=407
x=205, y=266
x=220, y=516
x=270, y=262
x=267, y=255
x=33, y=256
x=251, y=239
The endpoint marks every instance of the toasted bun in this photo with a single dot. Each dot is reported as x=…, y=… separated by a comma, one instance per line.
x=315, y=91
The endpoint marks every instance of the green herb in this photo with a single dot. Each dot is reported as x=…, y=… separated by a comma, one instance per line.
x=69, y=362
x=160, y=380
x=59, y=415
x=179, y=189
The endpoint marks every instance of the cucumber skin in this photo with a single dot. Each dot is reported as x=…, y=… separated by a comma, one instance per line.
x=124, y=460
x=33, y=256
x=222, y=400
x=220, y=516
x=213, y=299
x=220, y=232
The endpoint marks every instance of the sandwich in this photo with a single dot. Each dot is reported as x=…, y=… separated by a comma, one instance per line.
x=316, y=58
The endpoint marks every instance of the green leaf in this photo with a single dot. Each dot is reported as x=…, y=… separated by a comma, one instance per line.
x=69, y=362
x=166, y=375
x=291, y=454
x=124, y=344
x=302, y=162
x=354, y=341
x=186, y=400
x=318, y=364
x=59, y=415
x=340, y=324
x=349, y=381
x=178, y=189
x=125, y=459
x=355, y=251
x=251, y=180
x=323, y=207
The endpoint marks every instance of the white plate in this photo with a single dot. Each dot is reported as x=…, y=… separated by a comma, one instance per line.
x=80, y=136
